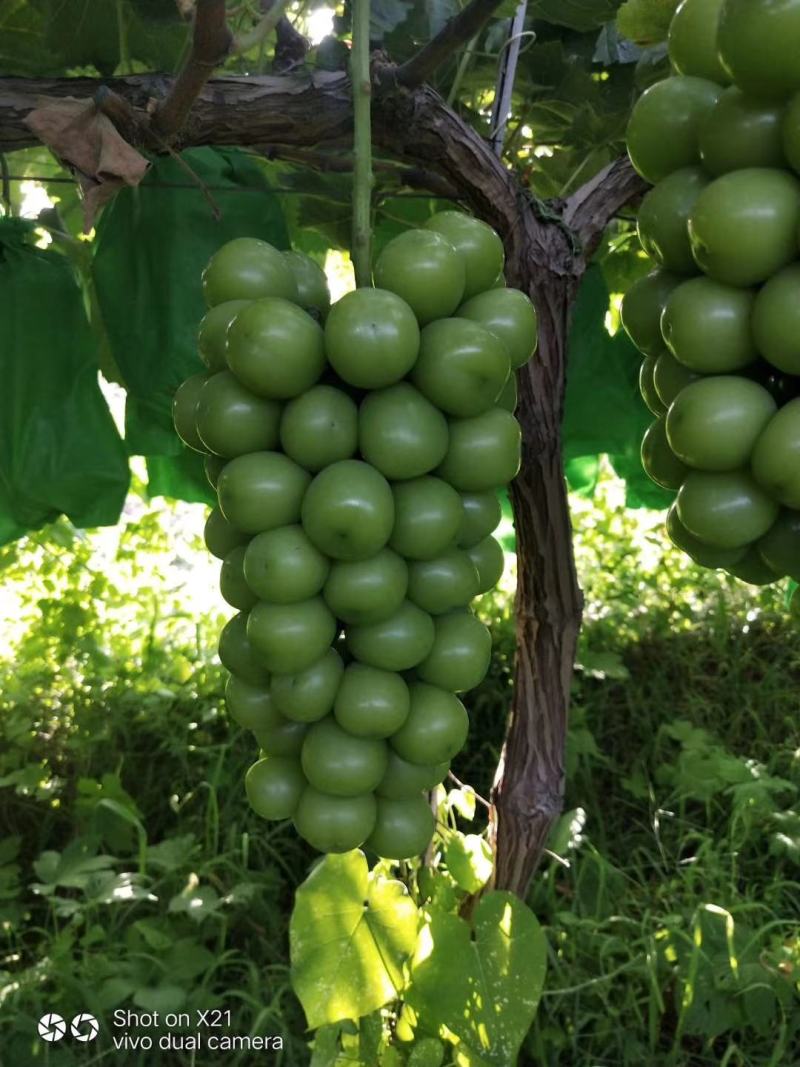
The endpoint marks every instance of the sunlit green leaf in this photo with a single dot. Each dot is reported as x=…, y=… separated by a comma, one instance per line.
x=482, y=982
x=427, y=1052
x=350, y=934
x=469, y=861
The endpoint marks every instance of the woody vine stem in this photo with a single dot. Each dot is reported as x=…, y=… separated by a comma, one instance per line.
x=362, y=143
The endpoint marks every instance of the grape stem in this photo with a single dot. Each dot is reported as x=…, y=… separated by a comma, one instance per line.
x=362, y=143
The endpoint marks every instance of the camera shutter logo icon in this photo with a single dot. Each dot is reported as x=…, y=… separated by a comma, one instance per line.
x=52, y=1027
x=84, y=1027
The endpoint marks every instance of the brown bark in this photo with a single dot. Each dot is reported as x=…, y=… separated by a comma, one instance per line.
x=211, y=40
x=546, y=256
x=529, y=784
x=273, y=109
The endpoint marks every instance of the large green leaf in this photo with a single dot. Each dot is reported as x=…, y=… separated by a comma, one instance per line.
x=482, y=982
x=101, y=34
x=59, y=449
x=180, y=477
x=580, y=15
x=152, y=245
x=603, y=409
x=320, y=205
x=22, y=47
x=604, y=413
x=350, y=934
x=51, y=36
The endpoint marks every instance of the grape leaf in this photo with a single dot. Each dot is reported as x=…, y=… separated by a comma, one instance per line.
x=604, y=412
x=646, y=22
x=22, y=49
x=155, y=241
x=59, y=448
x=482, y=982
x=96, y=33
x=581, y=15
x=469, y=861
x=349, y=935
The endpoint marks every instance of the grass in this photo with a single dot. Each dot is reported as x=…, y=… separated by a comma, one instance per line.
x=674, y=928
x=132, y=873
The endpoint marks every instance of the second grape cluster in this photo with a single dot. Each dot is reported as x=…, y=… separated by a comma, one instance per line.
x=357, y=451
x=718, y=320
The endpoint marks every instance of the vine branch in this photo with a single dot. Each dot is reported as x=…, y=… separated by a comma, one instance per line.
x=590, y=209
x=211, y=42
x=458, y=31
x=362, y=144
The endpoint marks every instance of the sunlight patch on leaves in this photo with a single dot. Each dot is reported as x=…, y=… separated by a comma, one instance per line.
x=481, y=983
x=469, y=861
x=350, y=935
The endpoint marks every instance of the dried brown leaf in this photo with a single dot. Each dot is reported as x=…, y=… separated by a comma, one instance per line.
x=88, y=142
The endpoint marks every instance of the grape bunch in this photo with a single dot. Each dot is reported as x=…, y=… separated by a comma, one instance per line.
x=356, y=451
x=718, y=318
